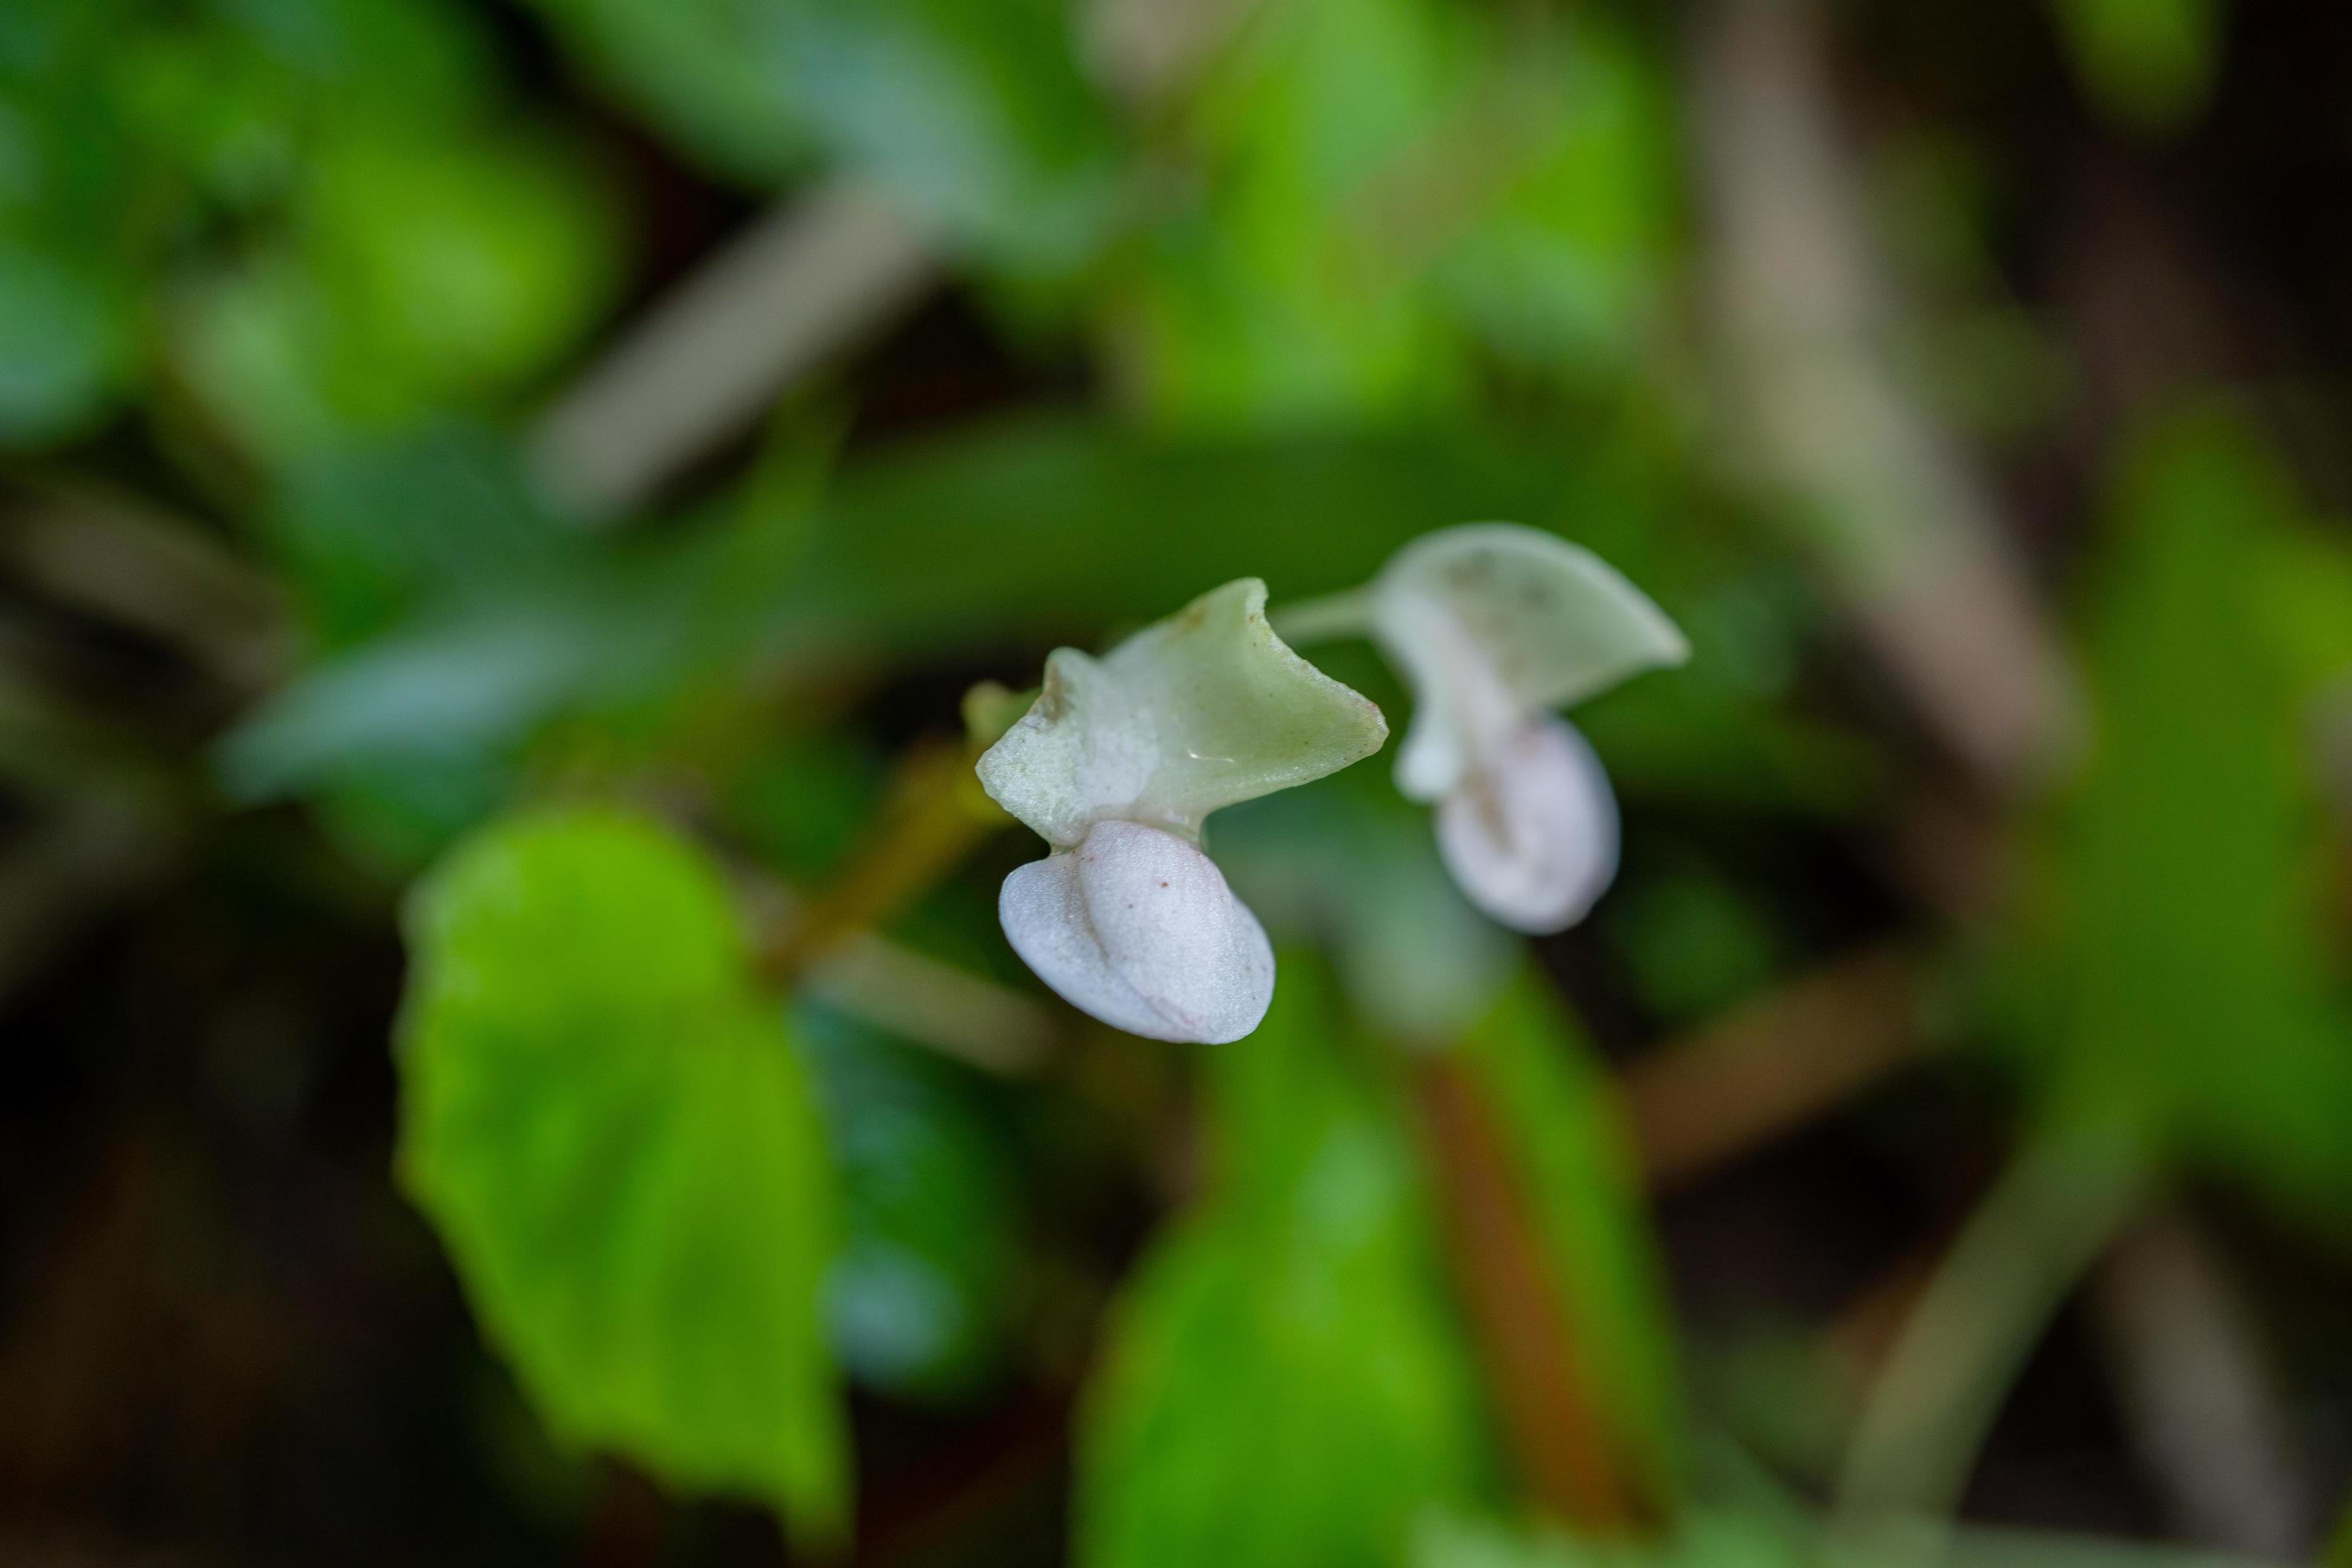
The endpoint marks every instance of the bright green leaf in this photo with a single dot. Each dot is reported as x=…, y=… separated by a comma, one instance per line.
x=609, y=1130
x=1285, y=1381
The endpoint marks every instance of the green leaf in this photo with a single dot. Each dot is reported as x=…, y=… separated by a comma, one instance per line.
x=978, y=117
x=1274, y=303
x=609, y=1128
x=66, y=340
x=455, y=265
x=2147, y=64
x=432, y=265
x=1202, y=710
x=1394, y=194
x=1285, y=1382
x=1563, y=1133
x=1564, y=267
x=921, y=1294
x=491, y=618
x=2186, y=970
x=1718, y=1540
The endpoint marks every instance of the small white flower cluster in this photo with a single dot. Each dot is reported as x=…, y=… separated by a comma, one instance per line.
x=1122, y=759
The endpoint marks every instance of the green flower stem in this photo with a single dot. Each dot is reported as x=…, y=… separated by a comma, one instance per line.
x=938, y=815
x=2047, y=1220
x=1326, y=619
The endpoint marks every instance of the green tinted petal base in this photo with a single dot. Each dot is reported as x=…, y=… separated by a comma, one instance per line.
x=1200, y=711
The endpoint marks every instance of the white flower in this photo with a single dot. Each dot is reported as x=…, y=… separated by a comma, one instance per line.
x=1117, y=764
x=1493, y=626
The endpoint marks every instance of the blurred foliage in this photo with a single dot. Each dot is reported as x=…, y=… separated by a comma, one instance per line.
x=2187, y=985
x=1401, y=194
x=931, y=1229
x=1560, y=1127
x=2150, y=64
x=321, y=217
x=1283, y=1379
x=1264, y=289
x=977, y=118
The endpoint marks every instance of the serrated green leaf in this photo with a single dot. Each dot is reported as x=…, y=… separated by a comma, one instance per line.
x=1200, y=711
x=1285, y=1382
x=611, y=1132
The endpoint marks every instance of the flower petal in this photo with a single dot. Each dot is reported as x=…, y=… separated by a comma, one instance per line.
x=1204, y=709
x=1137, y=926
x=1490, y=621
x=1531, y=833
x=1461, y=709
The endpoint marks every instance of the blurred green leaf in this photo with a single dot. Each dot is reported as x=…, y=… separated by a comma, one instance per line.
x=2189, y=981
x=921, y=1293
x=66, y=343
x=1285, y=1382
x=416, y=61
x=1691, y=942
x=977, y=117
x=2305, y=584
x=1266, y=305
x=1392, y=191
x=425, y=267
x=1564, y=269
x=999, y=529
x=609, y=1130
x=456, y=265
x=489, y=617
x=2147, y=64
x=1564, y=1135
x=1717, y=1540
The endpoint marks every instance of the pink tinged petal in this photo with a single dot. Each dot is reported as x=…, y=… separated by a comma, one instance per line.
x=1531, y=833
x=1137, y=927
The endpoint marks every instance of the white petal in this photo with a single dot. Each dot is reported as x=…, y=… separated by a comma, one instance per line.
x=1531, y=833
x=1461, y=706
x=1490, y=622
x=1557, y=623
x=1137, y=927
